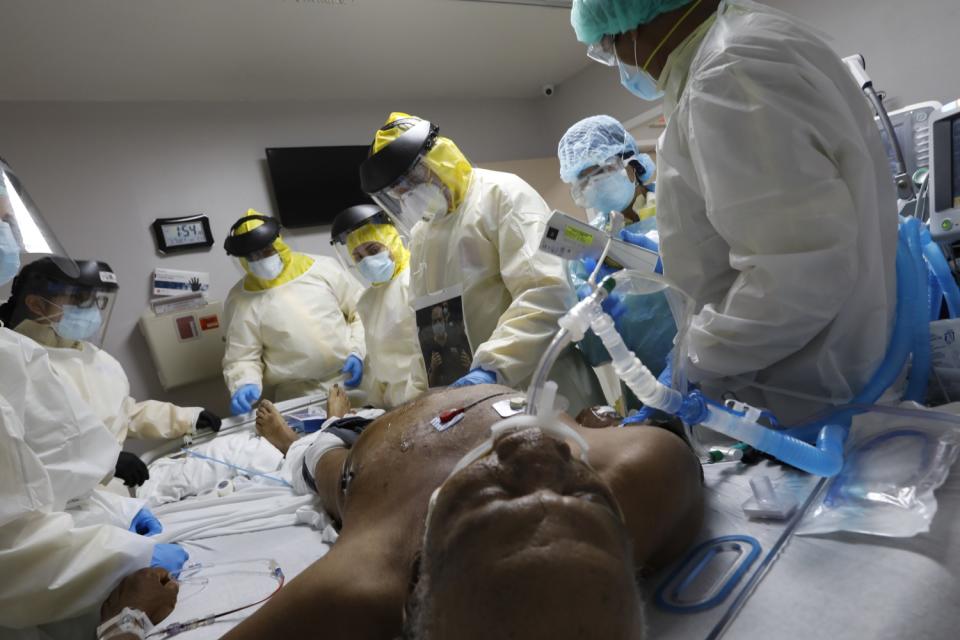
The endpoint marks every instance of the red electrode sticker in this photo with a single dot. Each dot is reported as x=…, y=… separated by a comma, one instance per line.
x=209, y=322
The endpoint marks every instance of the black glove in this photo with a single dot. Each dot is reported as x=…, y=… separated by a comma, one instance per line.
x=208, y=420
x=131, y=469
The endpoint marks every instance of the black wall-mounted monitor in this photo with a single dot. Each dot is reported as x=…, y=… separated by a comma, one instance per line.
x=313, y=184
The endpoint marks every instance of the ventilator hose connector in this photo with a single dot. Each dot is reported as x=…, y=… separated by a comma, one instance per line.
x=578, y=319
x=573, y=326
x=633, y=372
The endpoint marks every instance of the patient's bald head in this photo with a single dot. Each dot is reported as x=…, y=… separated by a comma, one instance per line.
x=526, y=542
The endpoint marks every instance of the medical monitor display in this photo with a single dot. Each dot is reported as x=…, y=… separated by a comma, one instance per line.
x=313, y=184
x=955, y=164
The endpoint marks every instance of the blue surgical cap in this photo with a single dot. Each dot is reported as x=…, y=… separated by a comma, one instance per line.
x=592, y=142
x=593, y=19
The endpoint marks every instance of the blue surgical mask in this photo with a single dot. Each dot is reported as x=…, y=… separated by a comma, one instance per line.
x=613, y=191
x=636, y=79
x=639, y=82
x=78, y=323
x=9, y=253
x=377, y=268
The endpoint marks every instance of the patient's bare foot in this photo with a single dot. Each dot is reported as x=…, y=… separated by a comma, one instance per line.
x=272, y=426
x=338, y=403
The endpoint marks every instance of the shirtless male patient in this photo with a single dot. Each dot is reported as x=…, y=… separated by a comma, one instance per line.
x=526, y=542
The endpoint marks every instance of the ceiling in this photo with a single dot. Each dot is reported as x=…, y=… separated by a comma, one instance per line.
x=281, y=49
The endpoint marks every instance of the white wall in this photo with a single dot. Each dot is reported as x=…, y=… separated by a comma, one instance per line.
x=102, y=172
x=910, y=50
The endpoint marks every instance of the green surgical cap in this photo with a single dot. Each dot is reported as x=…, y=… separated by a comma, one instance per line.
x=593, y=19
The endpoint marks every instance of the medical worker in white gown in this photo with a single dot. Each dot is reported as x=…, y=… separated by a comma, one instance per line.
x=69, y=316
x=776, y=207
x=64, y=545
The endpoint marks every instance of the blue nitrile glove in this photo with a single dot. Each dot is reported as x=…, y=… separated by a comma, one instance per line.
x=145, y=523
x=476, y=376
x=170, y=557
x=640, y=240
x=353, y=367
x=243, y=399
x=590, y=264
x=665, y=378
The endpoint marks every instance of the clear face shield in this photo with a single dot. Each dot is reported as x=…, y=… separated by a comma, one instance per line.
x=74, y=312
x=419, y=195
x=22, y=226
x=370, y=260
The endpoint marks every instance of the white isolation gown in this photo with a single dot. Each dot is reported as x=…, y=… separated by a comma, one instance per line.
x=53, y=454
x=776, y=212
x=103, y=384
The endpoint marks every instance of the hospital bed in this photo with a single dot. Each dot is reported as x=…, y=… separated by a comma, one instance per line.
x=838, y=586
x=292, y=543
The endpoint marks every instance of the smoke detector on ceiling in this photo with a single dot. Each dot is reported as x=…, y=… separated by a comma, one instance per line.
x=554, y=4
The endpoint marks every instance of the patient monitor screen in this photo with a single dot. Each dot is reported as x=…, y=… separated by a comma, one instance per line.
x=955, y=161
x=946, y=149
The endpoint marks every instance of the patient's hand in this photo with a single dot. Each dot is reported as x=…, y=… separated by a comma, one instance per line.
x=152, y=591
x=338, y=402
x=272, y=426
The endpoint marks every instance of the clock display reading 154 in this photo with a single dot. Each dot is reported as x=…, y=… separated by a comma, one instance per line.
x=176, y=235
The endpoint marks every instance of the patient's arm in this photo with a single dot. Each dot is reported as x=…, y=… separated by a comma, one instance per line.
x=354, y=592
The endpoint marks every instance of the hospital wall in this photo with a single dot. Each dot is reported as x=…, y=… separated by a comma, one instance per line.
x=102, y=172
x=911, y=51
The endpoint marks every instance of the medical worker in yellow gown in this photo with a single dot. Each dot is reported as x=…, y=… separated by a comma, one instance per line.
x=292, y=323
x=367, y=240
x=474, y=240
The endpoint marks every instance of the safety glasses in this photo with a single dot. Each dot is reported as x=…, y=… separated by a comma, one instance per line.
x=579, y=188
x=604, y=51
